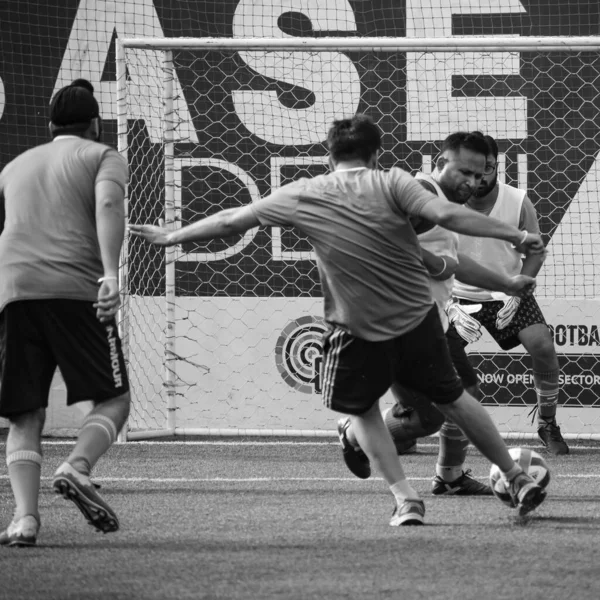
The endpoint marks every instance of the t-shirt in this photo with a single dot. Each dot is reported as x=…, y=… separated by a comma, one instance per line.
x=374, y=281
x=49, y=246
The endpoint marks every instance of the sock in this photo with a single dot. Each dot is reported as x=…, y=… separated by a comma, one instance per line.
x=513, y=472
x=546, y=388
x=452, y=452
x=24, y=471
x=402, y=490
x=351, y=437
x=97, y=434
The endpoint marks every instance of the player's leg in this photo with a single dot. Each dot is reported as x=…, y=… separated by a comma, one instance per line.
x=356, y=374
x=26, y=371
x=528, y=327
x=91, y=361
x=452, y=477
x=427, y=366
x=538, y=342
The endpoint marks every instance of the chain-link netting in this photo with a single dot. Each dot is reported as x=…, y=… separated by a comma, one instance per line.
x=247, y=316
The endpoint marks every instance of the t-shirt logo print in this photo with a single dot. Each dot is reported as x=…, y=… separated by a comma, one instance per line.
x=298, y=354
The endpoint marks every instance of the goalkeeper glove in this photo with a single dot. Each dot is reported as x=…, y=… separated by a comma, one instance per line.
x=466, y=326
x=507, y=312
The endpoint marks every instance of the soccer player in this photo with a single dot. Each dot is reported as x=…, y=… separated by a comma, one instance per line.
x=61, y=231
x=511, y=321
x=410, y=419
x=383, y=325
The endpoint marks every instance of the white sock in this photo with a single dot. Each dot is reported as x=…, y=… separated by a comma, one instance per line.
x=402, y=491
x=510, y=475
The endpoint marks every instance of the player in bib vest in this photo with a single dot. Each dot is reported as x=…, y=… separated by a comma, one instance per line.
x=511, y=321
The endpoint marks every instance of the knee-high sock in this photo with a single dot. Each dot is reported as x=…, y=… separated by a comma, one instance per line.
x=547, y=389
x=97, y=434
x=452, y=452
x=24, y=470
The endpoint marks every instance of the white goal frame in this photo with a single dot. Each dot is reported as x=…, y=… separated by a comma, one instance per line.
x=167, y=46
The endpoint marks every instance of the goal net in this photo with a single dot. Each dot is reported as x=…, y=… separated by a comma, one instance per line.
x=224, y=337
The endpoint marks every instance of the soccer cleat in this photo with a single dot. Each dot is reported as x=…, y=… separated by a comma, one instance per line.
x=21, y=532
x=549, y=433
x=410, y=512
x=465, y=485
x=356, y=460
x=73, y=485
x=525, y=493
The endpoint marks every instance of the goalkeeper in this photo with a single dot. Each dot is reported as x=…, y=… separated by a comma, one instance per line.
x=413, y=415
x=510, y=321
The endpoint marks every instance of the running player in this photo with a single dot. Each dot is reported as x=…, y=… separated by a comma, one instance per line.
x=61, y=230
x=410, y=419
x=383, y=325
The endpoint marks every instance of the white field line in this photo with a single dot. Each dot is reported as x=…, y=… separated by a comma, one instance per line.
x=280, y=479
x=133, y=444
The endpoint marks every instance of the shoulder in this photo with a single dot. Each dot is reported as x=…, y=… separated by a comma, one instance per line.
x=510, y=192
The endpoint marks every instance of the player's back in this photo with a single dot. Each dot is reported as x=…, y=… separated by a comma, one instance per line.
x=49, y=247
x=371, y=268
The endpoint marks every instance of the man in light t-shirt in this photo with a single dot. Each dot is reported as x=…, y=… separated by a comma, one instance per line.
x=61, y=230
x=383, y=325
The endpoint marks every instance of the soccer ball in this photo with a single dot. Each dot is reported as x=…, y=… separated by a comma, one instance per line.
x=531, y=462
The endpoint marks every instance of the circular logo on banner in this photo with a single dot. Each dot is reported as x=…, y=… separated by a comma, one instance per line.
x=298, y=354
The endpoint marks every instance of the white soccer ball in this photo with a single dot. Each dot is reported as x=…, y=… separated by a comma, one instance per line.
x=531, y=462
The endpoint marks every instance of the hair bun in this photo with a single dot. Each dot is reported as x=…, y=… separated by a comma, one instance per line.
x=83, y=83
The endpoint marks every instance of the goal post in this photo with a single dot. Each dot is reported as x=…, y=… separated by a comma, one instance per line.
x=223, y=338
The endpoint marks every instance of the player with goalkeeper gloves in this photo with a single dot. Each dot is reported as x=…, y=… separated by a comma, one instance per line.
x=511, y=321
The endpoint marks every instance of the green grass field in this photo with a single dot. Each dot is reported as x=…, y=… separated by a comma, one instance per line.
x=260, y=519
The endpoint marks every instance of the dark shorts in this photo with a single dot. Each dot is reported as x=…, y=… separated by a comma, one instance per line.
x=357, y=373
x=36, y=336
x=460, y=360
x=528, y=313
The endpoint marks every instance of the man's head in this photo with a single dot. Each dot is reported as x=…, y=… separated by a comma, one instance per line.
x=75, y=111
x=490, y=176
x=355, y=139
x=461, y=164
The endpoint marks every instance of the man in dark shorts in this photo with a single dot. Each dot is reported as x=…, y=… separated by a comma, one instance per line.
x=413, y=415
x=511, y=321
x=383, y=325
x=61, y=231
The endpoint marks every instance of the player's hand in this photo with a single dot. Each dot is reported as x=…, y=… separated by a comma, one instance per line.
x=466, y=326
x=520, y=285
x=507, y=312
x=157, y=235
x=532, y=244
x=109, y=300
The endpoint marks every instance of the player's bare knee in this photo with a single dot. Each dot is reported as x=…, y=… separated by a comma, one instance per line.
x=25, y=431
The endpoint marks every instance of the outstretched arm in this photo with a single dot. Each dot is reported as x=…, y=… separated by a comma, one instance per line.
x=439, y=267
x=225, y=223
x=468, y=222
x=475, y=274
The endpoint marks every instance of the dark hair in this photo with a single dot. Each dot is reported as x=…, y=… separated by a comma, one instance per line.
x=354, y=138
x=491, y=142
x=74, y=106
x=474, y=141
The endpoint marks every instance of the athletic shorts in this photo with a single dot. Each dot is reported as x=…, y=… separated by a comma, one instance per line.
x=357, y=373
x=36, y=336
x=528, y=313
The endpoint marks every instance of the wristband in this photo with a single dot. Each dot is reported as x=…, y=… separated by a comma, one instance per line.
x=443, y=268
x=106, y=278
x=525, y=234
